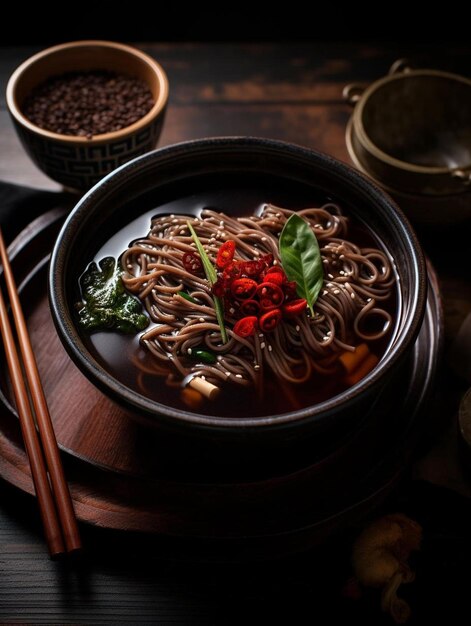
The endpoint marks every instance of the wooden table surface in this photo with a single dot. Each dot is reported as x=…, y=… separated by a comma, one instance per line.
x=290, y=92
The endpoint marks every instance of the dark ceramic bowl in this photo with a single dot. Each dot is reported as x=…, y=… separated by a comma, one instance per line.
x=173, y=172
x=78, y=162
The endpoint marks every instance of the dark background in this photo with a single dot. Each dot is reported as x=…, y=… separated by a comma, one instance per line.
x=51, y=22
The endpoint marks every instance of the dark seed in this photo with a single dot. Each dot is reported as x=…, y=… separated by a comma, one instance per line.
x=88, y=103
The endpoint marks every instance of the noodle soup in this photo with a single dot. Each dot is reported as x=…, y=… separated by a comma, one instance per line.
x=296, y=353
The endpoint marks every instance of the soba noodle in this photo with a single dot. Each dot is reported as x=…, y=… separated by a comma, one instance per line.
x=348, y=310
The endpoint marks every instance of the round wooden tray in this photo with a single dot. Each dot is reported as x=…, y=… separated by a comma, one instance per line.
x=122, y=477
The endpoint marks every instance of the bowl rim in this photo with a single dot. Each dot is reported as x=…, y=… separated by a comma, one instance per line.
x=100, y=377
x=154, y=112
x=410, y=195
x=372, y=147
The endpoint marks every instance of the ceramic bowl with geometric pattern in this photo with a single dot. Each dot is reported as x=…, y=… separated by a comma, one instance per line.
x=78, y=162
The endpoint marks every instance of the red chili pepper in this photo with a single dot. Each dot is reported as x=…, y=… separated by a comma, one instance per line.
x=275, y=269
x=275, y=275
x=269, y=321
x=276, y=279
x=267, y=259
x=250, y=307
x=290, y=288
x=294, y=308
x=225, y=254
x=243, y=288
x=246, y=326
x=219, y=288
x=269, y=295
x=232, y=270
x=192, y=263
x=252, y=268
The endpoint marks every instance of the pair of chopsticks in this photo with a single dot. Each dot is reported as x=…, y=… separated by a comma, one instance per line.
x=55, y=503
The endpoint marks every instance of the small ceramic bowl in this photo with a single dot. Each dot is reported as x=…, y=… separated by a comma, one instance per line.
x=77, y=162
x=411, y=131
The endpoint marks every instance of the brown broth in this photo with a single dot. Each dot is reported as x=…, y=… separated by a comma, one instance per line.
x=116, y=352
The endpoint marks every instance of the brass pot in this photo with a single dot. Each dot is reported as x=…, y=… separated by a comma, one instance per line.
x=411, y=132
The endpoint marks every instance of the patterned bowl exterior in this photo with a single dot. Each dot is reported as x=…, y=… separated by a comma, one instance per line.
x=80, y=166
x=76, y=162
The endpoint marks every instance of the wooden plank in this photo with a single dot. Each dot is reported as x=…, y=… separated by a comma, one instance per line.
x=315, y=126
x=287, y=72
x=268, y=72
x=129, y=580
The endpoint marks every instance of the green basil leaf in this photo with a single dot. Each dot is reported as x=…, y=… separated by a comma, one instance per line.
x=301, y=258
x=211, y=276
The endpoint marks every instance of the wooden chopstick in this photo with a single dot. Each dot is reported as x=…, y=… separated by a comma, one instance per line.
x=53, y=494
x=38, y=470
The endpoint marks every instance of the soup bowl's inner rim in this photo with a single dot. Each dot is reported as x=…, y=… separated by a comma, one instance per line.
x=373, y=148
x=99, y=375
x=159, y=105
